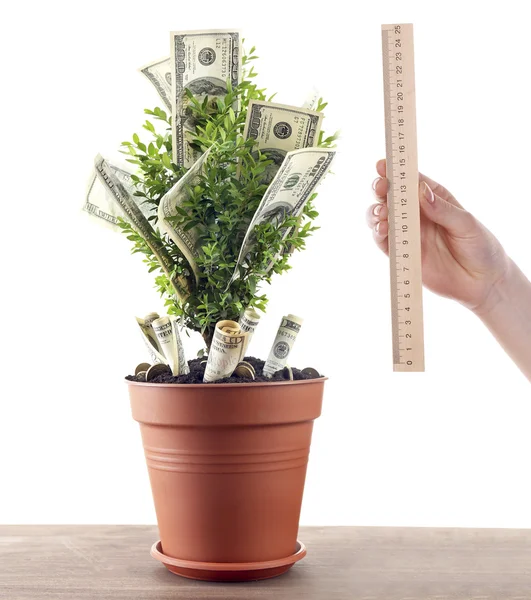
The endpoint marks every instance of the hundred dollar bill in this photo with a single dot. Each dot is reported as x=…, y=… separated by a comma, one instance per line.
x=226, y=351
x=283, y=344
x=279, y=129
x=100, y=205
x=150, y=317
x=170, y=342
x=248, y=323
x=99, y=202
x=188, y=242
x=150, y=339
x=159, y=73
x=183, y=363
x=300, y=174
x=202, y=62
x=123, y=199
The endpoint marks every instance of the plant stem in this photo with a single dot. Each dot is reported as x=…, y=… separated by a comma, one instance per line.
x=208, y=336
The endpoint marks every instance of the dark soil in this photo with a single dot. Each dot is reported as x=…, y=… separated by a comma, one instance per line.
x=197, y=371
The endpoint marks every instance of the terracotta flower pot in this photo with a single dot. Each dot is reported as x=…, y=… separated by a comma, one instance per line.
x=227, y=464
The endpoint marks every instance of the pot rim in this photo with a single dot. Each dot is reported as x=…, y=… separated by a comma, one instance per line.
x=225, y=385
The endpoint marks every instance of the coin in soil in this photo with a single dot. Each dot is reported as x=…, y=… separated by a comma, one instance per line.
x=141, y=376
x=157, y=369
x=142, y=367
x=243, y=370
x=249, y=365
x=311, y=372
x=287, y=373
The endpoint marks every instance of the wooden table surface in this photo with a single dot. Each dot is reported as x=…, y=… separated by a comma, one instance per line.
x=82, y=562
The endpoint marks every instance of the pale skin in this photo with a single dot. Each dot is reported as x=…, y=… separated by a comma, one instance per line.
x=463, y=260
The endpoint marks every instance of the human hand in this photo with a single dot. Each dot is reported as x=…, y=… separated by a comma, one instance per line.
x=461, y=259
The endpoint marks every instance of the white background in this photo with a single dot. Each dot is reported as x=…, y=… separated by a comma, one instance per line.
x=448, y=447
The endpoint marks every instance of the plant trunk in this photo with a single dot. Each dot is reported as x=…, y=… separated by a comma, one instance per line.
x=208, y=336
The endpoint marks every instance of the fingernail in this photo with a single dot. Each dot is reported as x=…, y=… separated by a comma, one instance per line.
x=428, y=194
x=377, y=210
x=375, y=182
x=377, y=228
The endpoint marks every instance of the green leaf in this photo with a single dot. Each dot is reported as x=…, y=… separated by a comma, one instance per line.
x=166, y=161
x=149, y=126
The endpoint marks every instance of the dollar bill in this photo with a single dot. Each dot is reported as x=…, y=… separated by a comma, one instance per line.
x=100, y=203
x=159, y=73
x=170, y=343
x=150, y=339
x=183, y=363
x=150, y=317
x=202, y=62
x=279, y=129
x=300, y=174
x=249, y=322
x=138, y=219
x=188, y=241
x=226, y=351
x=283, y=344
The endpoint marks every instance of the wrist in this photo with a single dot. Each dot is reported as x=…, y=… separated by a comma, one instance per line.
x=507, y=314
x=501, y=291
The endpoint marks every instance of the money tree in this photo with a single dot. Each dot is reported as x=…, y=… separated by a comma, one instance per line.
x=221, y=202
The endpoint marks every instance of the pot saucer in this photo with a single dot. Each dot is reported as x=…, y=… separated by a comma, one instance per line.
x=208, y=571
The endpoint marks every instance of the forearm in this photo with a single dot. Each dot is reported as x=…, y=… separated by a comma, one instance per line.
x=508, y=316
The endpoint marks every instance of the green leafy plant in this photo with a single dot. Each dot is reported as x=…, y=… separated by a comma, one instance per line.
x=221, y=207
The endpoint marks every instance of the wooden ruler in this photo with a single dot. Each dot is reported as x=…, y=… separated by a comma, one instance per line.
x=403, y=197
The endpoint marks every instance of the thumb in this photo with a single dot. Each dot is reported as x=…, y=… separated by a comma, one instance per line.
x=455, y=220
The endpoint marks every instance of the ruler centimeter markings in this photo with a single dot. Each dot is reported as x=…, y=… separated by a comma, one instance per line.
x=403, y=197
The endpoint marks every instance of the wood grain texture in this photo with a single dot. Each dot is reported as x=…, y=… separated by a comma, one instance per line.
x=105, y=562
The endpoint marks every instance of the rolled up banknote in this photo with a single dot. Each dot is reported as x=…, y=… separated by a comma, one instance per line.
x=124, y=199
x=148, y=324
x=201, y=62
x=183, y=363
x=188, y=241
x=279, y=129
x=226, y=351
x=300, y=174
x=150, y=339
x=248, y=323
x=170, y=342
x=159, y=73
x=283, y=344
x=150, y=317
